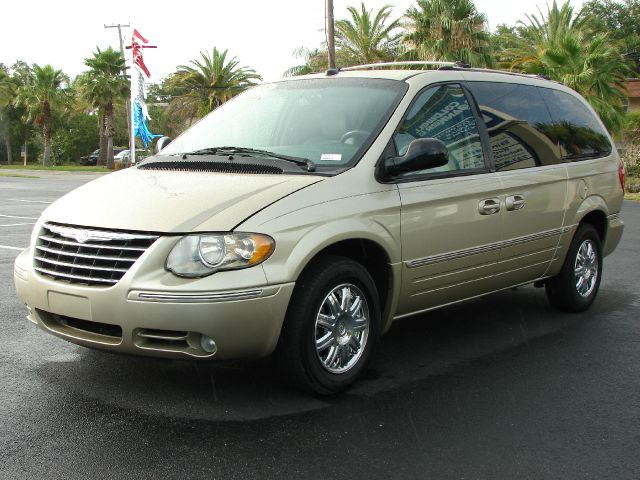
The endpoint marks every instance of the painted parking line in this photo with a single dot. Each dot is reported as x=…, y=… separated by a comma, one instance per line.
x=28, y=201
x=17, y=224
x=19, y=249
x=20, y=218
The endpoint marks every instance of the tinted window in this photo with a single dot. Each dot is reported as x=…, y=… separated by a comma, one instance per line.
x=443, y=112
x=518, y=122
x=574, y=127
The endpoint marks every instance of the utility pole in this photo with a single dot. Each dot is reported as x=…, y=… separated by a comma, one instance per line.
x=132, y=144
x=331, y=47
x=119, y=26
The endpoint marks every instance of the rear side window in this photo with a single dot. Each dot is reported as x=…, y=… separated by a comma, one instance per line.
x=443, y=112
x=518, y=124
x=575, y=129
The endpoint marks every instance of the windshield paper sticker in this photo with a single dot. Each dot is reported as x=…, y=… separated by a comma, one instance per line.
x=334, y=157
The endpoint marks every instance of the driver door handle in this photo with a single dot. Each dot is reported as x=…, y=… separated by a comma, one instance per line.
x=489, y=206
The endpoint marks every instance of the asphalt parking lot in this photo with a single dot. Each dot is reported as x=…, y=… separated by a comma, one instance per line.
x=502, y=387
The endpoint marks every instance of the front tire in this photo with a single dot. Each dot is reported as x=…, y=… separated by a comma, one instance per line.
x=575, y=288
x=331, y=326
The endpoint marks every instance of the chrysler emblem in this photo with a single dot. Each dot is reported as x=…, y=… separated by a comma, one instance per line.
x=82, y=236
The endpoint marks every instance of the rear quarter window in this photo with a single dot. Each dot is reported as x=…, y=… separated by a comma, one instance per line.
x=575, y=129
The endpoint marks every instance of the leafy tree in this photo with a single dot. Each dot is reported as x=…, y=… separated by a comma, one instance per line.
x=448, y=30
x=74, y=135
x=44, y=90
x=620, y=20
x=562, y=45
x=208, y=82
x=103, y=86
x=368, y=37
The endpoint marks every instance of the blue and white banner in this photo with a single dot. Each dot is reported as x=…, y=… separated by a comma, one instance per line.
x=139, y=112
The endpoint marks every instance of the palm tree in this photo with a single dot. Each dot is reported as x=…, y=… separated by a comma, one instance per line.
x=315, y=60
x=6, y=88
x=562, y=46
x=448, y=30
x=44, y=91
x=7, y=97
x=368, y=38
x=104, y=85
x=207, y=83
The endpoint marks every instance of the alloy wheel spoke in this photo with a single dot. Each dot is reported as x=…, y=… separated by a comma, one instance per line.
x=324, y=342
x=355, y=306
x=346, y=299
x=334, y=305
x=354, y=343
x=326, y=321
x=331, y=357
x=360, y=324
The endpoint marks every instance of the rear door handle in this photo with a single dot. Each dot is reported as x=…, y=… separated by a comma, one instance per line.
x=489, y=206
x=515, y=202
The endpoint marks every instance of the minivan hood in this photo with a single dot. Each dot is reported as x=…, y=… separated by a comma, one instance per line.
x=172, y=202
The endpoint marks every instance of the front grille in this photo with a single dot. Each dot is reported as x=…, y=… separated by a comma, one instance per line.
x=87, y=256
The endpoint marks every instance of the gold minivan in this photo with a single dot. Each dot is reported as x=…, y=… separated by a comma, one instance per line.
x=305, y=215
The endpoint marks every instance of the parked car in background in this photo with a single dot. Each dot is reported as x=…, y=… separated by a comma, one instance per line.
x=92, y=158
x=125, y=155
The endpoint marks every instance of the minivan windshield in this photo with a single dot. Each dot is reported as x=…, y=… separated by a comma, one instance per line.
x=330, y=122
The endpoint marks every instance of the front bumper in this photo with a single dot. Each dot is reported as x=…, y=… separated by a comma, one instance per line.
x=151, y=312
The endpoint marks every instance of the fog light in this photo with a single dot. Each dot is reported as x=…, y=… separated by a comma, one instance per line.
x=208, y=345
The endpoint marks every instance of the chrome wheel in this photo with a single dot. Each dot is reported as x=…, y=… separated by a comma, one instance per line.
x=586, y=268
x=342, y=328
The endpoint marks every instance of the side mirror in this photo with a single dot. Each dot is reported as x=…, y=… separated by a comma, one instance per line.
x=161, y=143
x=422, y=154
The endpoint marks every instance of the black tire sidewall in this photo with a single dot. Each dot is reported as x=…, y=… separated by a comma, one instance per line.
x=561, y=289
x=313, y=287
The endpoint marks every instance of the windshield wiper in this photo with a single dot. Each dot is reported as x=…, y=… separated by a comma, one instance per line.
x=253, y=152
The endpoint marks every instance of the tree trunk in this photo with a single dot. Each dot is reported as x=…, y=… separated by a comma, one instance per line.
x=6, y=134
x=102, y=157
x=7, y=143
x=109, y=131
x=46, y=133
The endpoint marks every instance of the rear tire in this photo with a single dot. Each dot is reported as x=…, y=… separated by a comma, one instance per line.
x=331, y=326
x=575, y=288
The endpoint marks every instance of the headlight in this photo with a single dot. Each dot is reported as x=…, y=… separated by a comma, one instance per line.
x=202, y=255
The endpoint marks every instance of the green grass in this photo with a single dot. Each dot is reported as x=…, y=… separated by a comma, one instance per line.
x=17, y=175
x=58, y=168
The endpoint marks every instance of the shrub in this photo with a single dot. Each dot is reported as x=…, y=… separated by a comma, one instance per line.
x=631, y=159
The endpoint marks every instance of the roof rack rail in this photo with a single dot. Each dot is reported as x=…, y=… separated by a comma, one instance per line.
x=394, y=64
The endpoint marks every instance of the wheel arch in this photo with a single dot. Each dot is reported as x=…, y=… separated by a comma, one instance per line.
x=369, y=244
x=594, y=211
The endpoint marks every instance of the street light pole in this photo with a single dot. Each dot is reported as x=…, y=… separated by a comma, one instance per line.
x=132, y=144
x=331, y=47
